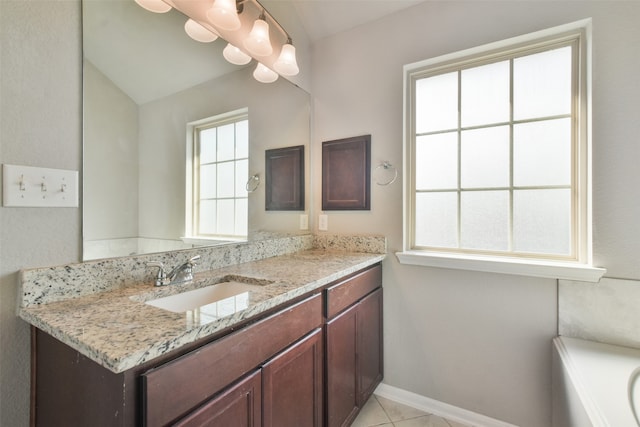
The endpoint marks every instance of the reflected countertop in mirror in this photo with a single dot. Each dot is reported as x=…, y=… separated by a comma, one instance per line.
x=138, y=99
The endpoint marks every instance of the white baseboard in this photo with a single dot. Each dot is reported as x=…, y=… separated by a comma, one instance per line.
x=438, y=408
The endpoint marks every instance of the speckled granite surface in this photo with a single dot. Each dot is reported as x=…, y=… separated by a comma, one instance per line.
x=50, y=284
x=113, y=326
x=369, y=244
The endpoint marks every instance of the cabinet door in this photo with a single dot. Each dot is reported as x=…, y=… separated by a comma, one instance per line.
x=292, y=385
x=369, y=345
x=342, y=406
x=238, y=406
x=354, y=358
x=284, y=187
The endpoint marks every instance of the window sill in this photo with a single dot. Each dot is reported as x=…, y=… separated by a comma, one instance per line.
x=206, y=241
x=521, y=267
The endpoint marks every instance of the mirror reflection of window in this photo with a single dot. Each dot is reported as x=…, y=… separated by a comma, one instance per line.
x=220, y=159
x=217, y=310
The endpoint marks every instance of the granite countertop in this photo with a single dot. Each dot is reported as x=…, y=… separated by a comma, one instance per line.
x=119, y=331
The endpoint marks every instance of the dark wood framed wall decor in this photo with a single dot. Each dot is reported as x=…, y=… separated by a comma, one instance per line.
x=284, y=179
x=346, y=174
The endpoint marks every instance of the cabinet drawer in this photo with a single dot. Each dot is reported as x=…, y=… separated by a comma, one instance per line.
x=173, y=389
x=346, y=293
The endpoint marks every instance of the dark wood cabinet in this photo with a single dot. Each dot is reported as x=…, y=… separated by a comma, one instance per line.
x=239, y=406
x=354, y=346
x=286, y=391
x=173, y=389
x=284, y=187
x=346, y=174
x=342, y=406
x=293, y=385
x=69, y=389
x=310, y=363
x=368, y=345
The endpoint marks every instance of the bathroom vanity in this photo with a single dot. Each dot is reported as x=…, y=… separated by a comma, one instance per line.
x=304, y=350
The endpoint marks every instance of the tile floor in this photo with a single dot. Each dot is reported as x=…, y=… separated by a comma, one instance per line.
x=381, y=412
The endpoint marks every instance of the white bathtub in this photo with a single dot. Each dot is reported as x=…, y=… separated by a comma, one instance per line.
x=594, y=384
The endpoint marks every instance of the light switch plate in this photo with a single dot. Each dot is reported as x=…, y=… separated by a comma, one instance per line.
x=28, y=186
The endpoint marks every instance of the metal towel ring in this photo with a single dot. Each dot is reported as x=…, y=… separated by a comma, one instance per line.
x=253, y=183
x=386, y=165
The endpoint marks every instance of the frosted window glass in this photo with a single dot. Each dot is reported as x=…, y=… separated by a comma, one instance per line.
x=437, y=103
x=207, y=145
x=542, y=221
x=485, y=94
x=226, y=217
x=542, y=84
x=226, y=175
x=542, y=153
x=207, y=217
x=485, y=157
x=208, y=181
x=437, y=161
x=241, y=225
x=226, y=142
x=484, y=220
x=242, y=176
x=242, y=139
x=436, y=221
x=220, y=198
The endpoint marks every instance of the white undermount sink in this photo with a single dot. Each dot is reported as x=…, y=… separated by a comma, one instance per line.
x=198, y=298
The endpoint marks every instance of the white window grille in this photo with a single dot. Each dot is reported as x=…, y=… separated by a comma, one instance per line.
x=217, y=173
x=497, y=160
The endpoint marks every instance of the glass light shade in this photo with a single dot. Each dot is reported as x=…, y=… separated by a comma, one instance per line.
x=156, y=6
x=286, y=63
x=257, y=42
x=264, y=74
x=198, y=32
x=235, y=55
x=223, y=14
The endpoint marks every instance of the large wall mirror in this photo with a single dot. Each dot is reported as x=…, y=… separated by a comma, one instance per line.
x=145, y=81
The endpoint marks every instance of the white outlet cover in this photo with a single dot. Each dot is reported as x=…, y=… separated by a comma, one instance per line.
x=323, y=222
x=304, y=222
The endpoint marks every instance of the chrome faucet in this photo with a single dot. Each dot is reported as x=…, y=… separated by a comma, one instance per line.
x=180, y=274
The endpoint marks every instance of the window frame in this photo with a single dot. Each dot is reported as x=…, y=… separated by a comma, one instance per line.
x=579, y=265
x=192, y=191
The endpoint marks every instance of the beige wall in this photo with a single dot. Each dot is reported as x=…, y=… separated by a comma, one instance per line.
x=40, y=125
x=478, y=341
x=110, y=127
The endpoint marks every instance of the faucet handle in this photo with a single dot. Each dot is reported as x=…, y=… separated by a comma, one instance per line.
x=192, y=261
x=155, y=264
x=162, y=274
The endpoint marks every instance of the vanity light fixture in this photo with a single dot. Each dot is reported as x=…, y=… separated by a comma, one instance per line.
x=198, y=32
x=235, y=55
x=223, y=14
x=286, y=63
x=264, y=75
x=156, y=6
x=257, y=42
x=222, y=20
